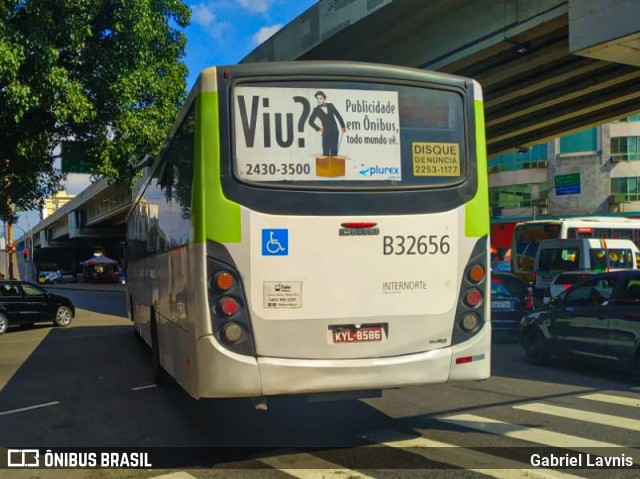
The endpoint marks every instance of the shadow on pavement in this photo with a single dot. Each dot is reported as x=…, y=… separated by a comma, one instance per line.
x=95, y=381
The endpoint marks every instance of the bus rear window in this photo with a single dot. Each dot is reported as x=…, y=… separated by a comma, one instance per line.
x=534, y=233
x=325, y=134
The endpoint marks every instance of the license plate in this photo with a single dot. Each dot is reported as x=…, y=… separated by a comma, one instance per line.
x=351, y=334
x=500, y=305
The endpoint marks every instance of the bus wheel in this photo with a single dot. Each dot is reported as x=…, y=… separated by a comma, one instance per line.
x=535, y=347
x=160, y=376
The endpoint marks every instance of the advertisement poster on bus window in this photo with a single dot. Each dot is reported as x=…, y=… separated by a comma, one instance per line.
x=307, y=134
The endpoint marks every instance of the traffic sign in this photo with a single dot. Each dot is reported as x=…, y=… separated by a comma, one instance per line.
x=568, y=184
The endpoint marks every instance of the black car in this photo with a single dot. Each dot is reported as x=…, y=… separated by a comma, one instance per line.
x=23, y=303
x=510, y=301
x=597, y=318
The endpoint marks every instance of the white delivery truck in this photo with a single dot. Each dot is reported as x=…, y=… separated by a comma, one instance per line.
x=556, y=256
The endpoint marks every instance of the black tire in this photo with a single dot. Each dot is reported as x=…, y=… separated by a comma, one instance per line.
x=64, y=316
x=536, y=349
x=160, y=376
x=4, y=324
x=636, y=370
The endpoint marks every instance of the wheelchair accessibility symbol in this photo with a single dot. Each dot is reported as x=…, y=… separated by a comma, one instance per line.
x=275, y=242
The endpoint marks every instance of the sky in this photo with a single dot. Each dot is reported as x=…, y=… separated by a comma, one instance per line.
x=222, y=32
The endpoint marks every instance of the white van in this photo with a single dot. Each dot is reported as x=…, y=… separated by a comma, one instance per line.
x=555, y=256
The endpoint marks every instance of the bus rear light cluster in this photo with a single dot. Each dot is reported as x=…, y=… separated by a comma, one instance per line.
x=229, y=315
x=470, y=313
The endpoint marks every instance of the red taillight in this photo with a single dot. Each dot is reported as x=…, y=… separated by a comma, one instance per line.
x=566, y=286
x=473, y=297
x=228, y=306
x=528, y=303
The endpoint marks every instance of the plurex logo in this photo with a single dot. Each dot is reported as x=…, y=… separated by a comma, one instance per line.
x=375, y=170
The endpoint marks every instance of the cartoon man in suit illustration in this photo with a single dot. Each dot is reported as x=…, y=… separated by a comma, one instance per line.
x=328, y=116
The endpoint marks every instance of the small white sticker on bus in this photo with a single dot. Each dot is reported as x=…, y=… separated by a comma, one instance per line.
x=282, y=294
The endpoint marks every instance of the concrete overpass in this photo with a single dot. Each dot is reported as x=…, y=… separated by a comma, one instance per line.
x=548, y=67
x=93, y=221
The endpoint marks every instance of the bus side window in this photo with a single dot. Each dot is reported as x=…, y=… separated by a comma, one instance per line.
x=598, y=259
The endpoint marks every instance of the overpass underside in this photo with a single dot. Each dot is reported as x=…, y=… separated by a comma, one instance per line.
x=546, y=67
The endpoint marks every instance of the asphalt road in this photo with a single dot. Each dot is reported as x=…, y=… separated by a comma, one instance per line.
x=90, y=385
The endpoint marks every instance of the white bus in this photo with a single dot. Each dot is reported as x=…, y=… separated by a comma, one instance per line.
x=315, y=227
x=527, y=237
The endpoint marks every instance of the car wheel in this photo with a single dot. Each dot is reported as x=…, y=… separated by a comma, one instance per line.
x=535, y=347
x=64, y=315
x=636, y=370
x=4, y=324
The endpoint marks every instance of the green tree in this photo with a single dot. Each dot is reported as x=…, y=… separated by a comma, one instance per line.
x=106, y=74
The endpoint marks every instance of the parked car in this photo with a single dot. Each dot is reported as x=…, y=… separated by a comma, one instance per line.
x=510, y=301
x=501, y=266
x=564, y=281
x=597, y=318
x=24, y=303
x=50, y=277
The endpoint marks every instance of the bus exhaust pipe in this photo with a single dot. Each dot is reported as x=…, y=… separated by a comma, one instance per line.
x=260, y=404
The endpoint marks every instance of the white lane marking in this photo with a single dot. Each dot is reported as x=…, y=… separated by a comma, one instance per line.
x=594, y=417
x=175, y=475
x=633, y=402
x=148, y=386
x=307, y=466
x=530, y=434
x=37, y=406
x=468, y=459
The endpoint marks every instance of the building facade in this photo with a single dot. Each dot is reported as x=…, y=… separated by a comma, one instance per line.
x=591, y=172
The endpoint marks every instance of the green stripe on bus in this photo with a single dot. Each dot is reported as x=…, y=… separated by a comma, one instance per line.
x=219, y=217
x=477, y=210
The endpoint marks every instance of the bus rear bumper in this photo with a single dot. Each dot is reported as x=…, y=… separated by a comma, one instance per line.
x=299, y=376
x=241, y=376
